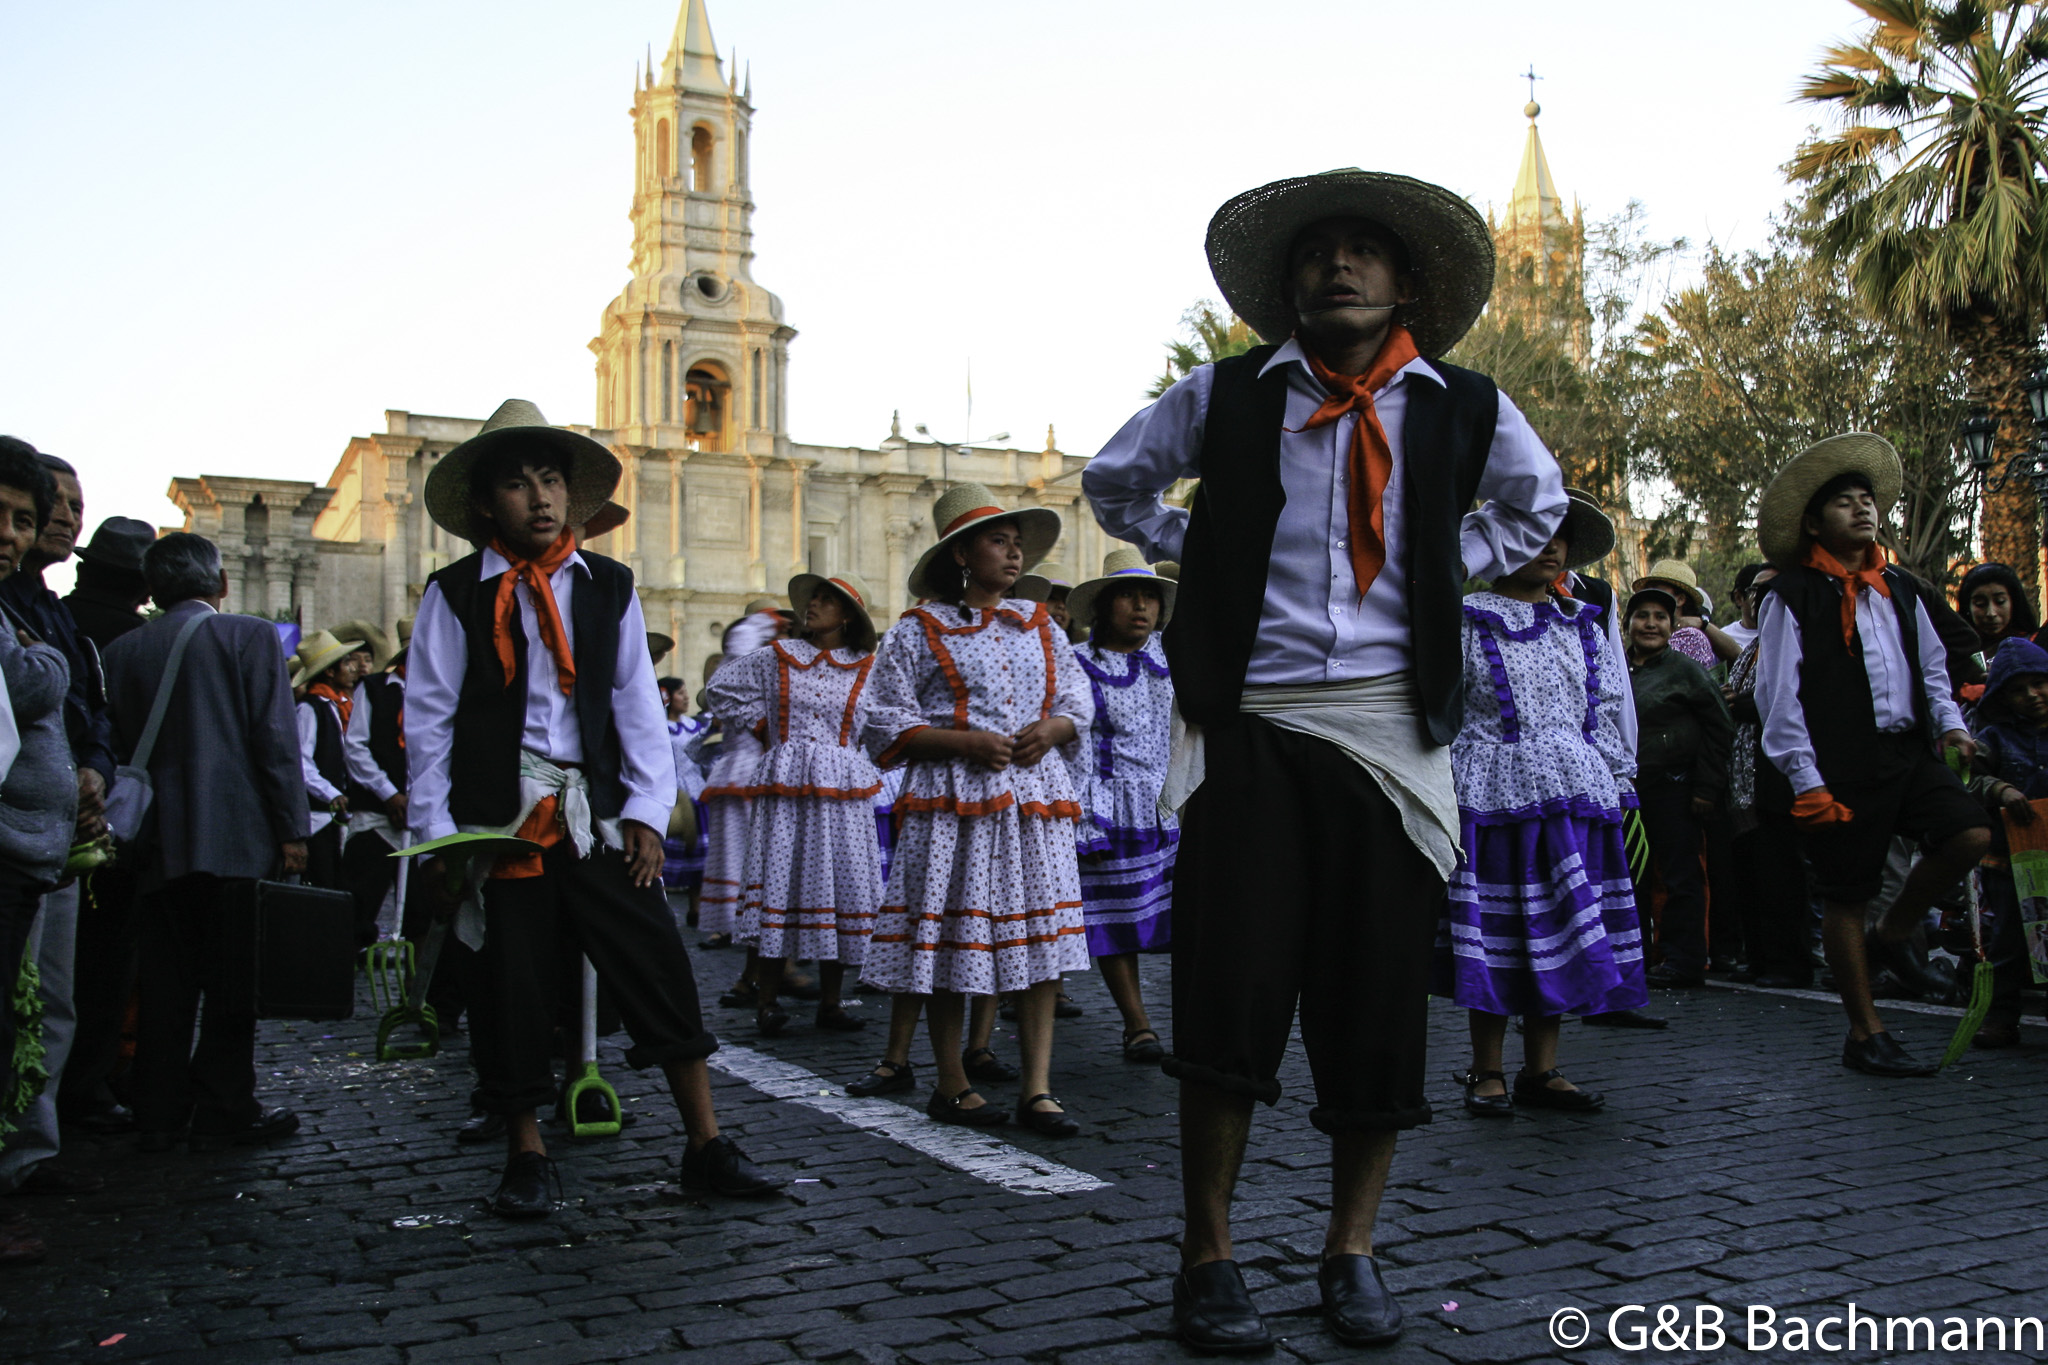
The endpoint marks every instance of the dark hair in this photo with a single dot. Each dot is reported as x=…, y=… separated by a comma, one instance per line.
x=1746, y=575
x=502, y=463
x=669, y=684
x=22, y=467
x=179, y=567
x=55, y=464
x=1111, y=593
x=947, y=578
x=1834, y=488
x=2024, y=621
x=858, y=634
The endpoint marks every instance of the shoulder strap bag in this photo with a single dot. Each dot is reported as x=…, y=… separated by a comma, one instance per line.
x=128, y=804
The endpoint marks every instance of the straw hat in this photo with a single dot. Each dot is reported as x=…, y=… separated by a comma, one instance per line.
x=1779, y=512
x=605, y=520
x=773, y=604
x=319, y=652
x=592, y=470
x=852, y=587
x=1168, y=568
x=1040, y=585
x=659, y=645
x=1449, y=249
x=1126, y=565
x=965, y=506
x=1587, y=531
x=371, y=634
x=1676, y=577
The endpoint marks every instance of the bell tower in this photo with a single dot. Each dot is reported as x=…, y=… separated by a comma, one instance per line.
x=691, y=355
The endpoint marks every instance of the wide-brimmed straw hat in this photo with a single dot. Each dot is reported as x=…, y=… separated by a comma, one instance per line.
x=373, y=636
x=319, y=652
x=850, y=586
x=1676, y=577
x=592, y=471
x=1119, y=567
x=965, y=506
x=1780, y=512
x=1449, y=249
x=1587, y=530
x=1041, y=583
x=608, y=518
x=659, y=645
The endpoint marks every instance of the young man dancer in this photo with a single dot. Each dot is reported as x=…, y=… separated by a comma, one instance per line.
x=532, y=709
x=1853, y=691
x=1315, y=652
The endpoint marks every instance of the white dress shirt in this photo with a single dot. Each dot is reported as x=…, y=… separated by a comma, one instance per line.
x=355, y=746
x=318, y=787
x=1617, y=636
x=440, y=656
x=1314, y=627
x=1893, y=677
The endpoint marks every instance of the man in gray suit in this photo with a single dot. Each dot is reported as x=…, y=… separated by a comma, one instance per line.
x=230, y=807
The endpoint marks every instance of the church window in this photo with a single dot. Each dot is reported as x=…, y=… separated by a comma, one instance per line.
x=256, y=522
x=664, y=164
x=755, y=388
x=668, y=380
x=700, y=159
x=705, y=394
x=819, y=561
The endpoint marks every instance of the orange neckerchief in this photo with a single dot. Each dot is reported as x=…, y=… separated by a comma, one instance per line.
x=1372, y=460
x=1872, y=574
x=342, y=701
x=1563, y=586
x=535, y=573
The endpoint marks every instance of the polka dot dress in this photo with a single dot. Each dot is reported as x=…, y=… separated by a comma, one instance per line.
x=812, y=880
x=983, y=894
x=725, y=804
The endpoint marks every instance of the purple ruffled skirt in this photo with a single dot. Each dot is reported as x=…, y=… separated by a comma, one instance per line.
x=1127, y=889
x=682, y=865
x=1540, y=915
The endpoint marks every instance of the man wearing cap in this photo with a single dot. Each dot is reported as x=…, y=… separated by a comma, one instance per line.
x=1316, y=660
x=1854, y=696
x=531, y=710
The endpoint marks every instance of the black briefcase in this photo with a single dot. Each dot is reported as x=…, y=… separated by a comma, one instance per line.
x=293, y=949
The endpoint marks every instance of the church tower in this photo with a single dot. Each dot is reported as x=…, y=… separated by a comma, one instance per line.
x=1542, y=253
x=692, y=354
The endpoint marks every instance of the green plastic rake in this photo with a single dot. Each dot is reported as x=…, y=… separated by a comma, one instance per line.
x=1635, y=839
x=1980, y=977
x=590, y=1102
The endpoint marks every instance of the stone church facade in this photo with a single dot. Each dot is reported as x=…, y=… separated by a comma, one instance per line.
x=692, y=364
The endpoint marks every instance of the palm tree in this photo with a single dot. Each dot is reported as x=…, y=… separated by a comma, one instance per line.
x=1933, y=196
x=1212, y=335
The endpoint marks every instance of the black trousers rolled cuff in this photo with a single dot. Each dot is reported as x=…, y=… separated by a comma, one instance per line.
x=1266, y=1092
x=1335, y=1121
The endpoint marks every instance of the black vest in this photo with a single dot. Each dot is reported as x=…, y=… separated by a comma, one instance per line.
x=1834, y=690
x=490, y=715
x=385, y=696
x=327, y=755
x=1598, y=592
x=1446, y=436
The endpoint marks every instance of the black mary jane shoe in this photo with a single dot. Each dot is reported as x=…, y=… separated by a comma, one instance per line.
x=480, y=1127
x=722, y=1168
x=771, y=1020
x=1213, y=1312
x=1065, y=1007
x=1356, y=1303
x=1050, y=1122
x=528, y=1187
x=888, y=1078
x=743, y=995
x=1486, y=1106
x=1881, y=1055
x=1144, y=1046
x=1538, y=1093
x=982, y=1064
x=948, y=1109
x=716, y=941
x=835, y=1018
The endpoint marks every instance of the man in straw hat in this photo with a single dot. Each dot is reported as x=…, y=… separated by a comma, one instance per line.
x=1316, y=658
x=532, y=709
x=326, y=680
x=1853, y=692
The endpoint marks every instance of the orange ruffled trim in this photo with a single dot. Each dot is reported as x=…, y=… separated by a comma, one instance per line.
x=729, y=789
x=784, y=789
x=785, y=661
x=894, y=752
x=949, y=805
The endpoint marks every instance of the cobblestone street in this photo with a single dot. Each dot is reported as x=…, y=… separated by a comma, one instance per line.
x=1737, y=1163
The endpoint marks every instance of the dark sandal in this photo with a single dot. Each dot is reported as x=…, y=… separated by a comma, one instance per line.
x=1050, y=1122
x=836, y=1018
x=982, y=1064
x=742, y=995
x=771, y=1020
x=1063, y=1007
x=1536, y=1091
x=888, y=1078
x=1501, y=1106
x=947, y=1109
x=1144, y=1046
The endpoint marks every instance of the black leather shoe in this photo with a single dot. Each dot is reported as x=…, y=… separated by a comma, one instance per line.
x=1665, y=975
x=480, y=1128
x=1625, y=1019
x=525, y=1191
x=1486, y=1106
x=1537, y=1093
x=722, y=1168
x=1881, y=1055
x=268, y=1126
x=1356, y=1303
x=888, y=1078
x=1051, y=1122
x=771, y=1020
x=1212, y=1311
x=981, y=1064
x=107, y=1120
x=1065, y=1007
x=947, y=1109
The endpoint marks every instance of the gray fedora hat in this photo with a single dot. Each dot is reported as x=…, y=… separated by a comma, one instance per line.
x=118, y=544
x=1449, y=249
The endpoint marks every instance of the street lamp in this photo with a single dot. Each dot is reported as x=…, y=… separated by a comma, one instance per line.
x=946, y=449
x=2031, y=464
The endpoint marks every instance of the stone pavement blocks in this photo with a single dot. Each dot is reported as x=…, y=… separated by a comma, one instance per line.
x=1103, y=1302
x=492, y=1345
x=962, y=1302
x=1031, y=1341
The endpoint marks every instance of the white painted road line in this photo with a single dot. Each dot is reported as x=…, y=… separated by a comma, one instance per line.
x=964, y=1149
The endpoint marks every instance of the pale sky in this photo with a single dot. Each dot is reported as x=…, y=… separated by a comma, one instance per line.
x=235, y=234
